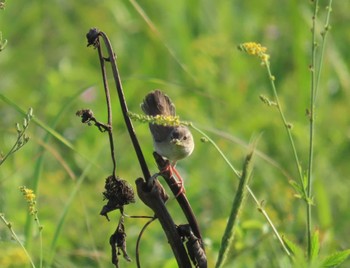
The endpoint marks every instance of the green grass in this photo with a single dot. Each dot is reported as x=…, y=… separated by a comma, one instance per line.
x=189, y=50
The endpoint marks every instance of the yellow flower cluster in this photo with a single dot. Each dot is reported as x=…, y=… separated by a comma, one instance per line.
x=255, y=49
x=164, y=120
x=30, y=198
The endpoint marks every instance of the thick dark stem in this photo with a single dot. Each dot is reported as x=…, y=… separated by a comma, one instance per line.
x=154, y=200
x=181, y=199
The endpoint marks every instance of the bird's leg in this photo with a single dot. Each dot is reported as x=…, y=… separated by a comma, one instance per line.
x=179, y=181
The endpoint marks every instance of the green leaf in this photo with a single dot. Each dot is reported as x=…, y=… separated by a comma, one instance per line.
x=305, y=181
x=315, y=246
x=336, y=258
x=293, y=248
x=299, y=258
x=297, y=188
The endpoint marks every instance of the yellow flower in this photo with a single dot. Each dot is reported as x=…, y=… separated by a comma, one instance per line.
x=29, y=195
x=164, y=120
x=255, y=49
x=30, y=198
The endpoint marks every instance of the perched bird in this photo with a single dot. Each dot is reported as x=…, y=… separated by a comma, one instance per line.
x=171, y=142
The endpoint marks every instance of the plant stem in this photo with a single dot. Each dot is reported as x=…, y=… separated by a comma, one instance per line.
x=124, y=107
x=260, y=207
x=311, y=127
x=15, y=237
x=109, y=109
x=219, y=150
x=323, y=45
x=16, y=145
x=315, y=81
x=287, y=126
x=296, y=158
x=40, y=229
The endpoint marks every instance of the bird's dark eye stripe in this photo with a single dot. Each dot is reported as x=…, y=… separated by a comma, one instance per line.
x=175, y=135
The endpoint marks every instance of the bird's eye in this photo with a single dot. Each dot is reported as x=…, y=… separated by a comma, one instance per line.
x=185, y=138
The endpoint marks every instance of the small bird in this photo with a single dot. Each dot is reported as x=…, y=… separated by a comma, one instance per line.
x=172, y=142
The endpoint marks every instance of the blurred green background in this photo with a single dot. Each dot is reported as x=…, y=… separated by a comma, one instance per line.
x=189, y=50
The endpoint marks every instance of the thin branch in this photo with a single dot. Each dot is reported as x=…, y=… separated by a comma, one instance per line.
x=139, y=240
x=109, y=108
x=15, y=237
x=112, y=59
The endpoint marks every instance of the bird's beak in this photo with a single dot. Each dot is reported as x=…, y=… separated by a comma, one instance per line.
x=176, y=142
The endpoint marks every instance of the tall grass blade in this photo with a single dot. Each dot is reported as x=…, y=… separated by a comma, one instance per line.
x=236, y=207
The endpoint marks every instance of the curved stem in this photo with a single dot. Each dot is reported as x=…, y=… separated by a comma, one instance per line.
x=237, y=173
x=124, y=107
x=109, y=108
x=15, y=237
x=138, y=263
x=250, y=191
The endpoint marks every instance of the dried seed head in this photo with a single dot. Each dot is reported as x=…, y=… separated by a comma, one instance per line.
x=92, y=37
x=85, y=114
x=118, y=193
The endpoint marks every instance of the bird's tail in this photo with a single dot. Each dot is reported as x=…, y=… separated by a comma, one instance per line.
x=157, y=103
